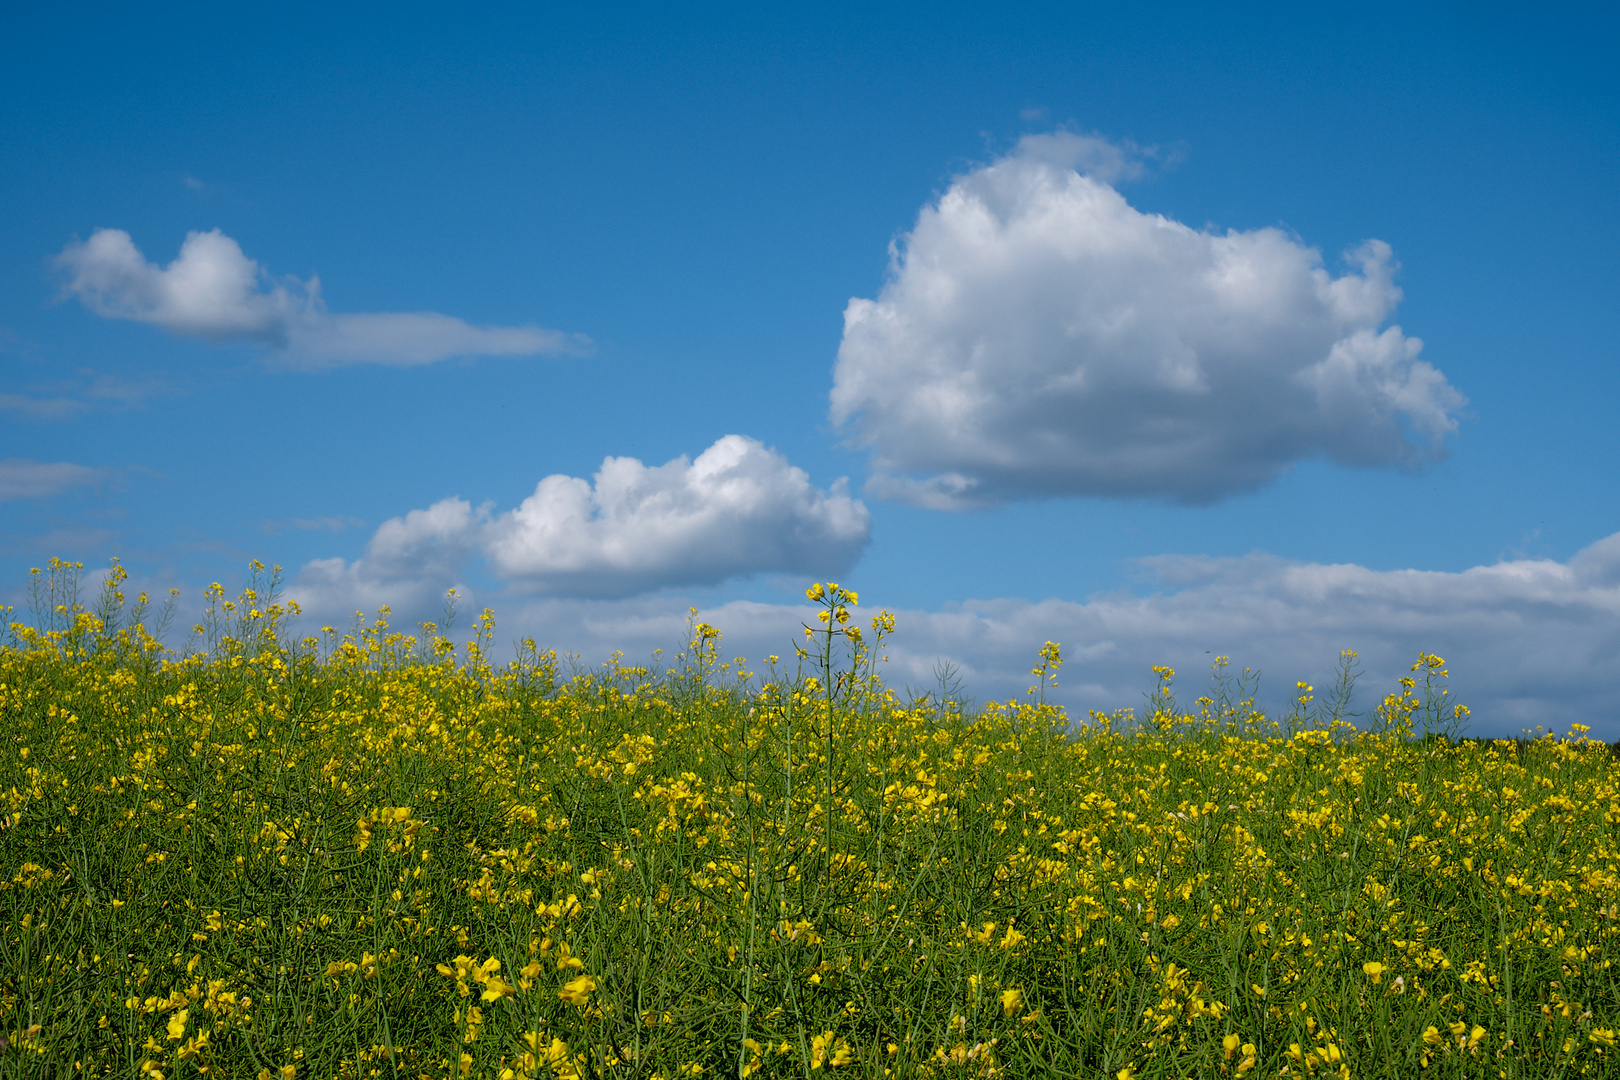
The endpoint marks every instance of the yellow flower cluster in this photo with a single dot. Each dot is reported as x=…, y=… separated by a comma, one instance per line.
x=375, y=855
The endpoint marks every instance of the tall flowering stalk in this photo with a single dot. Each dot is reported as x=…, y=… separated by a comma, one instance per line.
x=835, y=602
x=861, y=680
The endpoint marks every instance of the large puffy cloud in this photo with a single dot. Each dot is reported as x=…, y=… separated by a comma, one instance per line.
x=21, y=478
x=1039, y=336
x=739, y=508
x=214, y=291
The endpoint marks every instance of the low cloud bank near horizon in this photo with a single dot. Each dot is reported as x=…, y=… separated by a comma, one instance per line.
x=1038, y=336
x=739, y=508
x=1528, y=641
x=212, y=290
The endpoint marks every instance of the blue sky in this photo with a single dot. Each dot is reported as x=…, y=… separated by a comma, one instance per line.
x=639, y=232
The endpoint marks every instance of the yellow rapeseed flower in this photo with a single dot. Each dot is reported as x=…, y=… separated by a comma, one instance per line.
x=497, y=988
x=577, y=991
x=192, y=1047
x=818, y=1049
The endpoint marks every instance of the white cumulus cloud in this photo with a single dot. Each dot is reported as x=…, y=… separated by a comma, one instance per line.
x=409, y=564
x=1039, y=336
x=739, y=508
x=213, y=290
x=21, y=478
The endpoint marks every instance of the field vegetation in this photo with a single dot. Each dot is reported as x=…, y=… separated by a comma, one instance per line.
x=362, y=853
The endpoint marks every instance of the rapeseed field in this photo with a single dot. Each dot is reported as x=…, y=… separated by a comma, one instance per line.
x=366, y=854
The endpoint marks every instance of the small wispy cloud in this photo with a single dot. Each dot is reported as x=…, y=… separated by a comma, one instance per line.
x=42, y=408
x=1104, y=160
x=316, y=524
x=79, y=542
x=89, y=391
x=214, y=291
x=21, y=478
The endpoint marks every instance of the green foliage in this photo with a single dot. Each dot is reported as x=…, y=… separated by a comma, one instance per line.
x=372, y=854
